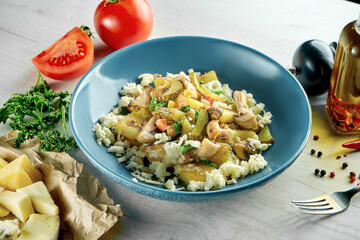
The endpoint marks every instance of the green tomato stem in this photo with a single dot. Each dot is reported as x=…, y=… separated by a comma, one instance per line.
x=86, y=30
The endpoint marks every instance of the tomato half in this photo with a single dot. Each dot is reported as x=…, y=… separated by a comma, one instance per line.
x=124, y=22
x=69, y=57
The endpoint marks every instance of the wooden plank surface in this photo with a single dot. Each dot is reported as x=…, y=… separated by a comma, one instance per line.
x=275, y=28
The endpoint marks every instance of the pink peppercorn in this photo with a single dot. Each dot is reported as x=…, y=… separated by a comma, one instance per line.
x=332, y=174
x=352, y=179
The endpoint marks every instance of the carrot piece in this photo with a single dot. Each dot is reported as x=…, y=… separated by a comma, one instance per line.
x=161, y=124
x=181, y=101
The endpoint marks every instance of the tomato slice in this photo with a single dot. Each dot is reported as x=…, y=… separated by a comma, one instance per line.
x=69, y=57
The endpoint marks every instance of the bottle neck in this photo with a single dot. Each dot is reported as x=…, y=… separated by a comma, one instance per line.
x=357, y=25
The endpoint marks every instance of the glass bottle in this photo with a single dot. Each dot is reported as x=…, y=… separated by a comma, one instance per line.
x=343, y=102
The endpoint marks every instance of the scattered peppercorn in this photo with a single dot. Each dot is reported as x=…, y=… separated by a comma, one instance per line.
x=338, y=157
x=319, y=154
x=317, y=171
x=345, y=155
x=322, y=173
x=312, y=151
x=352, y=179
x=316, y=137
x=332, y=174
x=345, y=165
x=352, y=174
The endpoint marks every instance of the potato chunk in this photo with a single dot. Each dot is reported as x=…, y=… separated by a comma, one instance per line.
x=192, y=172
x=222, y=155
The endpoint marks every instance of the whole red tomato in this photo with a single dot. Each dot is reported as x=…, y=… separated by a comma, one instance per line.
x=123, y=22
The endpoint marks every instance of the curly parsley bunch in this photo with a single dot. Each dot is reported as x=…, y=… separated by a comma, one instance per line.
x=36, y=113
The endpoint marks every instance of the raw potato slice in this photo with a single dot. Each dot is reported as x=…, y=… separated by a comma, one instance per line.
x=3, y=211
x=3, y=163
x=18, y=203
x=19, y=173
x=41, y=227
x=40, y=198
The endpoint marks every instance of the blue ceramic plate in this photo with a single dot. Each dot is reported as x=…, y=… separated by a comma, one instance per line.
x=242, y=67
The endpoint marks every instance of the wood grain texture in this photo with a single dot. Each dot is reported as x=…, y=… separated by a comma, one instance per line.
x=276, y=28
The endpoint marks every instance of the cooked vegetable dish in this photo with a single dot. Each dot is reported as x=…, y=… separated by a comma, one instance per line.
x=186, y=131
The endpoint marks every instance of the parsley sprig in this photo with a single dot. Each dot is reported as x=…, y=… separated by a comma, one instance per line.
x=208, y=162
x=36, y=113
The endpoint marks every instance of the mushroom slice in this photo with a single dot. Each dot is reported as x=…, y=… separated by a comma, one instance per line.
x=207, y=148
x=158, y=92
x=223, y=137
x=213, y=129
x=215, y=113
x=240, y=100
x=143, y=100
x=246, y=119
x=147, y=133
x=243, y=150
x=185, y=80
x=171, y=131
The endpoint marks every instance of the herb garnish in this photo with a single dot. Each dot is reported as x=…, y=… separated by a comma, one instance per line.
x=155, y=104
x=196, y=115
x=217, y=91
x=177, y=125
x=161, y=104
x=208, y=163
x=185, y=108
x=184, y=148
x=36, y=112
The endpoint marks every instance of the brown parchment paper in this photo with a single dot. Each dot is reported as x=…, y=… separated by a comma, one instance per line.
x=86, y=211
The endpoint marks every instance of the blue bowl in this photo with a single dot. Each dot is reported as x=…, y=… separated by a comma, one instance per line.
x=239, y=66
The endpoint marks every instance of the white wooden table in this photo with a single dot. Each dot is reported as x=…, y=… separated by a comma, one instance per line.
x=273, y=27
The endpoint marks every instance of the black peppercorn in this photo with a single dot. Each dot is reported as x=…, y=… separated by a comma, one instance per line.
x=317, y=171
x=316, y=137
x=322, y=173
x=352, y=174
x=345, y=165
x=312, y=151
x=319, y=154
x=338, y=157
